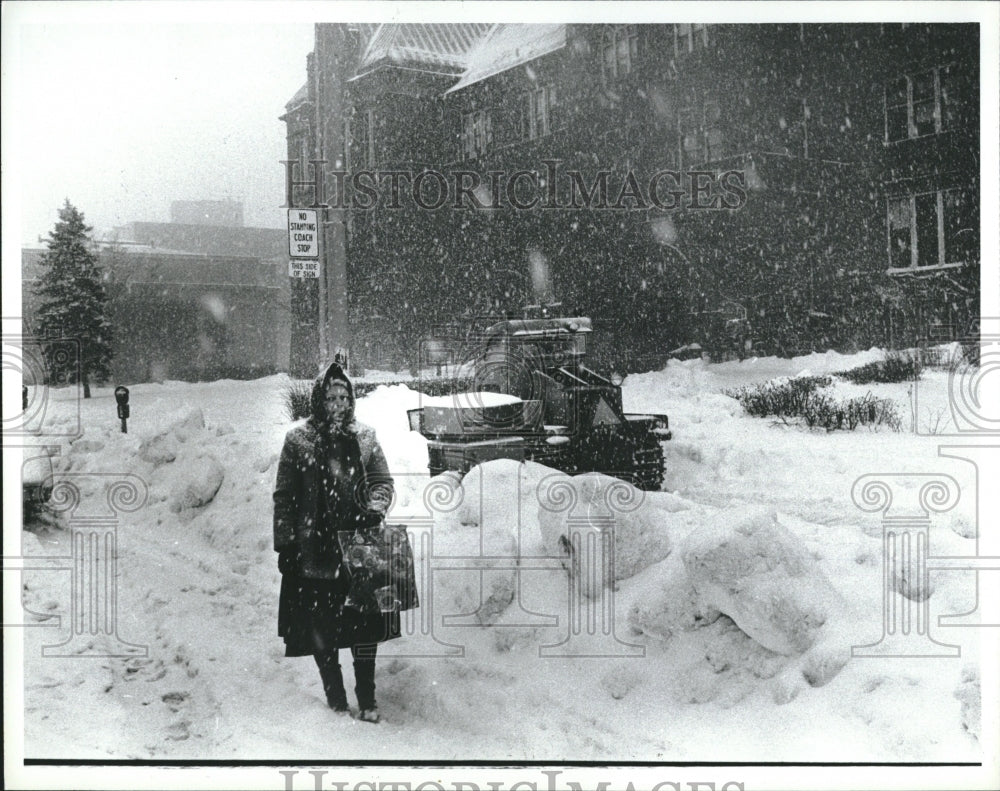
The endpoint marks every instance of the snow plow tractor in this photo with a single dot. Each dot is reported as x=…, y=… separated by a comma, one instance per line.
x=533, y=398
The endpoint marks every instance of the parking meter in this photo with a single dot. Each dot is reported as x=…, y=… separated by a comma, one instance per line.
x=121, y=396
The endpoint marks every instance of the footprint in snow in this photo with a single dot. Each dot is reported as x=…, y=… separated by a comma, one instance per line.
x=174, y=700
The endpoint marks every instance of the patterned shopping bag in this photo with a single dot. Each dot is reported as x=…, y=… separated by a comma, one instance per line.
x=380, y=562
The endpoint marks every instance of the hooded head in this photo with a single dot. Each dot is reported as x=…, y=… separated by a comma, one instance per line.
x=332, y=399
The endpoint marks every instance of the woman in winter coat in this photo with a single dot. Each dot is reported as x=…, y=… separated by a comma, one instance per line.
x=332, y=477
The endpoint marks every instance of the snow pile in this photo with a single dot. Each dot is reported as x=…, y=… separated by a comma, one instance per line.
x=753, y=570
x=666, y=602
x=494, y=522
x=763, y=602
x=603, y=529
x=184, y=473
x=85, y=445
x=164, y=447
x=757, y=573
x=743, y=566
x=619, y=523
x=201, y=480
x=480, y=528
x=970, y=695
x=713, y=612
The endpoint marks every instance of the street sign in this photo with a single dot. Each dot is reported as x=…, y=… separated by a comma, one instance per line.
x=302, y=268
x=303, y=233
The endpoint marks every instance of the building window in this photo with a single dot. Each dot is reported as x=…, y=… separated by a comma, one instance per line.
x=536, y=112
x=700, y=132
x=366, y=139
x=713, y=131
x=690, y=139
x=303, y=158
x=688, y=38
x=620, y=48
x=927, y=229
x=919, y=104
x=477, y=134
x=348, y=142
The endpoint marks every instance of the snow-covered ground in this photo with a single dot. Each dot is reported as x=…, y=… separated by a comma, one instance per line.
x=721, y=632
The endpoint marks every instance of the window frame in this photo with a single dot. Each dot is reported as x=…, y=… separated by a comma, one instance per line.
x=688, y=114
x=536, y=112
x=476, y=134
x=348, y=142
x=700, y=131
x=366, y=140
x=686, y=41
x=937, y=113
x=941, y=254
x=613, y=65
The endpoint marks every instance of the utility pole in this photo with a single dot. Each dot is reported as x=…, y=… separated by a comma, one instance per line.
x=324, y=268
x=331, y=44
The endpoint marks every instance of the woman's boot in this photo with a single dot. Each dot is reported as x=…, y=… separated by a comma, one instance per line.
x=333, y=680
x=364, y=677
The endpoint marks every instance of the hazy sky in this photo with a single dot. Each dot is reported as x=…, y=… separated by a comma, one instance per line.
x=124, y=109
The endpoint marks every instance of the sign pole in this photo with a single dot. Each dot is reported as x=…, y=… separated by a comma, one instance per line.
x=304, y=250
x=324, y=339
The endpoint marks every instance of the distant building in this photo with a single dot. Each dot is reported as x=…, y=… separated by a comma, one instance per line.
x=202, y=239
x=207, y=212
x=189, y=301
x=175, y=315
x=852, y=218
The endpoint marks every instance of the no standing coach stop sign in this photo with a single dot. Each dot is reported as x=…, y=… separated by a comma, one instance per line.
x=303, y=233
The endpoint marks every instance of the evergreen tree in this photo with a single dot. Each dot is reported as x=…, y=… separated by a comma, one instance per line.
x=73, y=303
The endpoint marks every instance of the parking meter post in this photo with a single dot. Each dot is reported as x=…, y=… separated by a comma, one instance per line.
x=121, y=396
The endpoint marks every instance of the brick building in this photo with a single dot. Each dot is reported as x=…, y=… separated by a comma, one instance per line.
x=188, y=301
x=777, y=188
x=207, y=212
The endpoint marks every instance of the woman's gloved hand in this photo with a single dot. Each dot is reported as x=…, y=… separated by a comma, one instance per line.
x=289, y=559
x=369, y=518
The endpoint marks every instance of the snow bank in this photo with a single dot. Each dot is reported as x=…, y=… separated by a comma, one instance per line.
x=494, y=521
x=202, y=476
x=752, y=569
x=970, y=695
x=666, y=602
x=163, y=447
x=577, y=512
x=199, y=588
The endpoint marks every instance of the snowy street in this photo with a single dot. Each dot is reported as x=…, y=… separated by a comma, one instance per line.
x=724, y=634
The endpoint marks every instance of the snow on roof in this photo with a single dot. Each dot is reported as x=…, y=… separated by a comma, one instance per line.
x=299, y=98
x=443, y=46
x=470, y=400
x=507, y=46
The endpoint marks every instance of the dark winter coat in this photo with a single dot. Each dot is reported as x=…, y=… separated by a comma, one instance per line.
x=330, y=478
